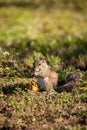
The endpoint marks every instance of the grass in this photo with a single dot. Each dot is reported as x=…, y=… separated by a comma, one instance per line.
x=61, y=20
x=60, y=36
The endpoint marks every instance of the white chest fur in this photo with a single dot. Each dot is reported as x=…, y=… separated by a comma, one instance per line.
x=42, y=81
x=46, y=79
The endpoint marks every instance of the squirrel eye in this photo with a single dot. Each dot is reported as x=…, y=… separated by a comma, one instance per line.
x=39, y=63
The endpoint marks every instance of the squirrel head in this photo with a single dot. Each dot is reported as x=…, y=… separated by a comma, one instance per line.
x=40, y=66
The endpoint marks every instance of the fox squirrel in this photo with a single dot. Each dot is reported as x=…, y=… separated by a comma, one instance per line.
x=47, y=78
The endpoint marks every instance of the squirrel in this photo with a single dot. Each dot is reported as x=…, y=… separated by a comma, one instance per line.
x=47, y=78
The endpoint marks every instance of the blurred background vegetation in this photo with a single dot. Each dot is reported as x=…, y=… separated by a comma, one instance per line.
x=78, y=5
x=57, y=27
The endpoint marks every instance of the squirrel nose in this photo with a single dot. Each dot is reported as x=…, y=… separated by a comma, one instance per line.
x=36, y=70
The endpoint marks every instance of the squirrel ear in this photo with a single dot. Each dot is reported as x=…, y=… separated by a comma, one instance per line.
x=40, y=58
x=37, y=58
x=44, y=60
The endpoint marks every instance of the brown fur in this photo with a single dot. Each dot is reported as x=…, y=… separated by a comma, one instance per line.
x=46, y=77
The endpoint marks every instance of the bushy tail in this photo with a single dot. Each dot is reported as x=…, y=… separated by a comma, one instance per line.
x=71, y=82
